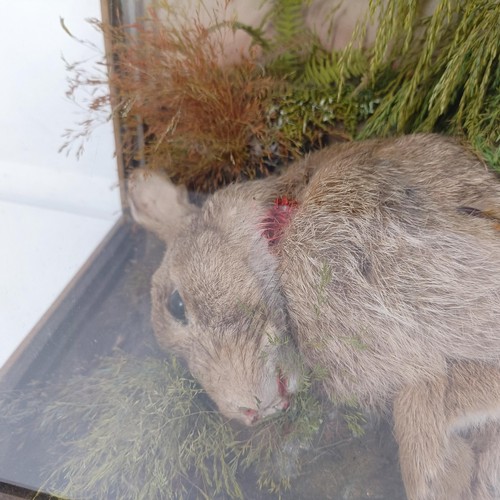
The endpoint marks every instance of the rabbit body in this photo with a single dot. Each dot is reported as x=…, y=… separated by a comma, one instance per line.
x=376, y=264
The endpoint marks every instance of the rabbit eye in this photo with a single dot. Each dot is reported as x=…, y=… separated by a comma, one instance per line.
x=176, y=308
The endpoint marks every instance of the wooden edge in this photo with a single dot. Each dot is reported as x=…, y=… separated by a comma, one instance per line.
x=13, y=492
x=107, y=18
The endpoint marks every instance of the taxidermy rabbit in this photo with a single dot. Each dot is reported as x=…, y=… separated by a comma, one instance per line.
x=378, y=262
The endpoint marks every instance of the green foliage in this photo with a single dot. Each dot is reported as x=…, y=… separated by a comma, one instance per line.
x=319, y=100
x=208, y=124
x=142, y=429
x=438, y=73
x=126, y=428
x=355, y=421
x=324, y=69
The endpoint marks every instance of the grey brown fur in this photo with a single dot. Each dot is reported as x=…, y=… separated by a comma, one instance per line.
x=387, y=278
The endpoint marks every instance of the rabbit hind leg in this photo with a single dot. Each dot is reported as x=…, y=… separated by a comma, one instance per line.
x=485, y=442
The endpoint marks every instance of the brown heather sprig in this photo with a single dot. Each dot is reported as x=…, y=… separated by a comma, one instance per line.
x=199, y=116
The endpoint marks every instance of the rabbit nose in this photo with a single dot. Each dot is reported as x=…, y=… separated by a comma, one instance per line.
x=284, y=405
x=251, y=415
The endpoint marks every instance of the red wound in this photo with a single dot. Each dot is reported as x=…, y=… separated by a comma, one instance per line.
x=277, y=218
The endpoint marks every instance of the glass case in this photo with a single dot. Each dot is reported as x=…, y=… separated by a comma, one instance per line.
x=286, y=337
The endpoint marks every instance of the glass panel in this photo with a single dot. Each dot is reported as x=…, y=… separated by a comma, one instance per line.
x=55, y=209
x=270, y=341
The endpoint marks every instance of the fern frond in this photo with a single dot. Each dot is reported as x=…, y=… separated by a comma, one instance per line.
x=292, y=40
x=324, y=69
x=288, y=21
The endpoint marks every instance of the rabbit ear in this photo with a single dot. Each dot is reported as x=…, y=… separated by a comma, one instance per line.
x=157, y=204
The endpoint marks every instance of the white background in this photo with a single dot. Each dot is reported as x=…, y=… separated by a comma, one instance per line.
x=54, y=210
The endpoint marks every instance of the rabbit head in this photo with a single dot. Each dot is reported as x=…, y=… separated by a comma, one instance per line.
x=216, y=298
